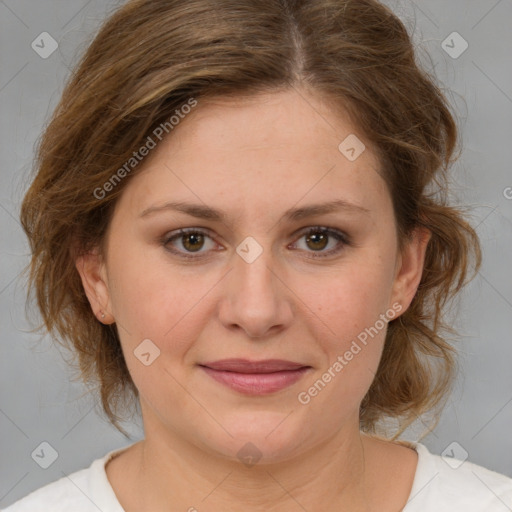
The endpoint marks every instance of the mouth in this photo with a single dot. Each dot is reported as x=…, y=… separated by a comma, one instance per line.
x=255, y=377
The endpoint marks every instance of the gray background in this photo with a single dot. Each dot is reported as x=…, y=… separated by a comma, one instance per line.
x=38, y=402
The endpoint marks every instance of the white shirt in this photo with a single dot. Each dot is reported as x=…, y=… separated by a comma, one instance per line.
x=437, y=487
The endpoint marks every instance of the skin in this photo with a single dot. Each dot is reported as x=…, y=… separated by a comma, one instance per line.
x=255, y=158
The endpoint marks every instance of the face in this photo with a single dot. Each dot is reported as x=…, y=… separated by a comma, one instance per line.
x=255, y=281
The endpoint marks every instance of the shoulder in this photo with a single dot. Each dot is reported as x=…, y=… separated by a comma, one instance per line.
x=448, y=484
x=63, y=494
x=86, y=490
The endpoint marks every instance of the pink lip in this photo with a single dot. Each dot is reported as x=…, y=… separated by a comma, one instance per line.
x=255, y=377
x=246, y=366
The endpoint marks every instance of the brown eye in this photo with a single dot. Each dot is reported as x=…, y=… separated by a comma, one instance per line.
x=193, y=241
x=317, y=239
x=188, y=241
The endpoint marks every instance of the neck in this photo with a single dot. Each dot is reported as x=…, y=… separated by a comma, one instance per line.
x=177, y=475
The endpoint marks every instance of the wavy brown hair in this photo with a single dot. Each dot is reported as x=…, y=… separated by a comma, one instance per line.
x=148, y=59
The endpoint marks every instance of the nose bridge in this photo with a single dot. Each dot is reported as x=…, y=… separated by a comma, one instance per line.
x=253, y=265
x=254, y=278
x=256, y=299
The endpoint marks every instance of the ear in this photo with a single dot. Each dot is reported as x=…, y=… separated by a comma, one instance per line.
x=409, y=268
x=92, y=270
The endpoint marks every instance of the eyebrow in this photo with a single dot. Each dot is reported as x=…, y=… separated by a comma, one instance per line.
x=293, y=214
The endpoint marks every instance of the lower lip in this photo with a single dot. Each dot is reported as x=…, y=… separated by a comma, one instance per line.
x=256, y=383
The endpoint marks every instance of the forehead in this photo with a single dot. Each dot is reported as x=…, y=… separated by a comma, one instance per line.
x=267, y=121
x=258, y=153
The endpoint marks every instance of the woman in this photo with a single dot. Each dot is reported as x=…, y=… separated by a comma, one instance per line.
x=239, y=223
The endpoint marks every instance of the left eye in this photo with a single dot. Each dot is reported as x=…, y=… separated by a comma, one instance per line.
x=192, y=240
x=317, y=239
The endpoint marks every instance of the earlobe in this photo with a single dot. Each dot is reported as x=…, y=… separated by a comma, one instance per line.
x=92, y=272
x=409, y=267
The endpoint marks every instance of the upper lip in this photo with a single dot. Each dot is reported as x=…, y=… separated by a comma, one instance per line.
x=246, y=366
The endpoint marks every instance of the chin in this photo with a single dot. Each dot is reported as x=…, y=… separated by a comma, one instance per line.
x=268, y=436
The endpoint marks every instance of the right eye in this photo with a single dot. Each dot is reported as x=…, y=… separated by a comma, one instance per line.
x=192, y=240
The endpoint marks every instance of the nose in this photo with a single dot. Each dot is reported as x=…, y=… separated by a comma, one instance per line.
x=256, y=297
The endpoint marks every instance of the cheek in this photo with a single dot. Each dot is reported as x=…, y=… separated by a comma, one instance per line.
x=355, y=308
x=356, y=295
x=153, y=300
x=352, y=356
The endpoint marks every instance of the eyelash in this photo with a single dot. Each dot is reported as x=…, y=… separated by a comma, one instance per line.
x=338, y=235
